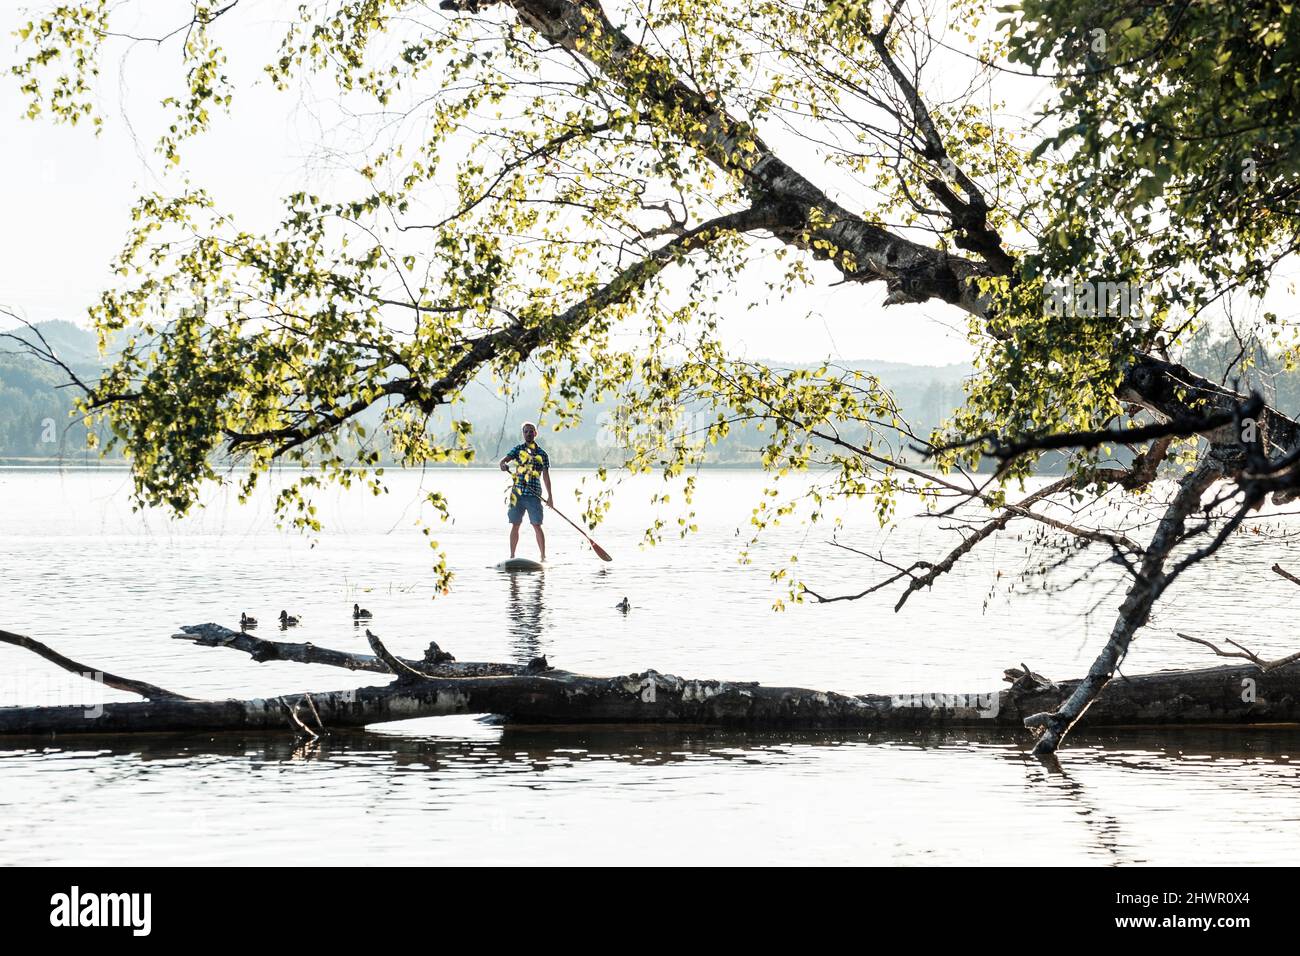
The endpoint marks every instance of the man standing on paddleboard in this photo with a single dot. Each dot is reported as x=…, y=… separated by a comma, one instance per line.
x=533, y=469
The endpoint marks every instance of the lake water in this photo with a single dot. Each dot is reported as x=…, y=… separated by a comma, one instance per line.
x=108, y=586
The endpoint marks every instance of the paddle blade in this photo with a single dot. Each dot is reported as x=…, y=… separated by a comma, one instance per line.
x=600, y=552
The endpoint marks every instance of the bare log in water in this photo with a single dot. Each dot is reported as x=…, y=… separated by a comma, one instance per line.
x=537, y=694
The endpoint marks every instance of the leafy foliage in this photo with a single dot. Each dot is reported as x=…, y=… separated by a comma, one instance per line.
x=575, y=193
x=1178, y=129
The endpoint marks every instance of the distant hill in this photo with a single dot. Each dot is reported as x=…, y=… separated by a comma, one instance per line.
x=926, y=395
x=35, y=426
x=71, y=343
x=30, y=399
x=34, y=409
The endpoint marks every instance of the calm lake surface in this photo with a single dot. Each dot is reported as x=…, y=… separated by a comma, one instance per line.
x=108, y=586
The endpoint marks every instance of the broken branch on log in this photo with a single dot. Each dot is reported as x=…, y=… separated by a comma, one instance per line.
x=403, y=670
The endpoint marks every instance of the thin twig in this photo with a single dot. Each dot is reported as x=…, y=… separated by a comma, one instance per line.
x=294, y=719
x=315, y=713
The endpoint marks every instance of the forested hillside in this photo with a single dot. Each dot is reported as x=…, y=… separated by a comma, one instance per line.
x=30, y=399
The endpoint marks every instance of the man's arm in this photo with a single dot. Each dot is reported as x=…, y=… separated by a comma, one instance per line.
x=546, y=480
x=510, y=456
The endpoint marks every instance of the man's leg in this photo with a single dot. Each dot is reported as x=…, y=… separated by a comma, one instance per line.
x=514, y=537
x=534, y=506
x=541, y=539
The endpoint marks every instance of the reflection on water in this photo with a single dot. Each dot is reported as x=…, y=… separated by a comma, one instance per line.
x=107, y=586
x=526, y=609
x=475, y=793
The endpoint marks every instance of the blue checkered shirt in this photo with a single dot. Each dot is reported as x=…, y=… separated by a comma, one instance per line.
x=528, y=473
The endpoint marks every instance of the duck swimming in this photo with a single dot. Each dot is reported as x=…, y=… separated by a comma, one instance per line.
x=288, y=620
x=245, y=622
x=358, y=613
x=623, y=606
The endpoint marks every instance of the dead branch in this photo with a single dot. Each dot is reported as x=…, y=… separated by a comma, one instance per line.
x=403, y=670
x=436, y=662
x=1278, y=569
x=145, y=690
x=1243, y=652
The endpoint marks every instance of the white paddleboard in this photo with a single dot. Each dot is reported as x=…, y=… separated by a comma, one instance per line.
x=519, y=564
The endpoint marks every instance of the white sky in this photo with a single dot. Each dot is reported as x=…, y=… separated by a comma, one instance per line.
x=66, y=194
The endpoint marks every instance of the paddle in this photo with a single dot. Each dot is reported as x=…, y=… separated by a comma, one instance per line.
x=600, y=552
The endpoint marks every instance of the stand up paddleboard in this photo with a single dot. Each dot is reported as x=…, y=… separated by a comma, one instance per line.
x=519, y=564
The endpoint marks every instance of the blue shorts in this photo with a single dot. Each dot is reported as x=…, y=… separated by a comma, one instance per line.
x=530, y=503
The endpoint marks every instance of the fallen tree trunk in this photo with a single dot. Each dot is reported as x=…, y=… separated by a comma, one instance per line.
x=537, y=694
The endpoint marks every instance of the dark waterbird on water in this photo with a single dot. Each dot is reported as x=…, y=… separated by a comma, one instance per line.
x=360, y=613
x=623, y=605
x=288, y=620
x=245, y=622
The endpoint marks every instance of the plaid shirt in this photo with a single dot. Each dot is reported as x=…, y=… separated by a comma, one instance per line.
x=528, y=474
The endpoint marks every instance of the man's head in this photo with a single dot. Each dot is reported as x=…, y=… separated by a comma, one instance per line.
x=530, y=432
